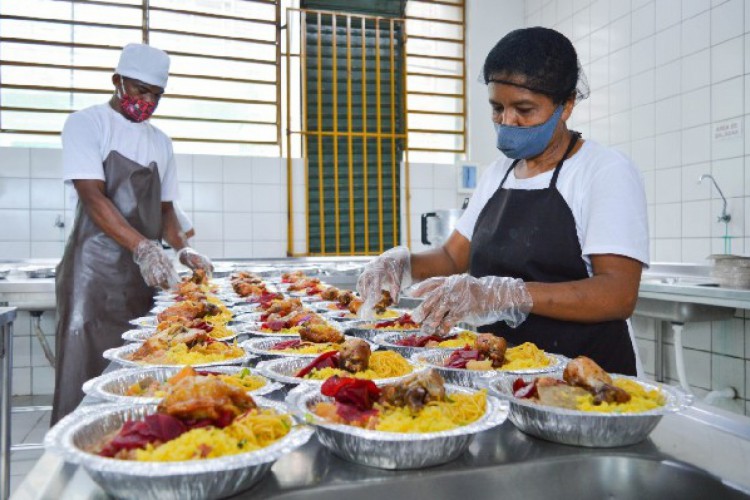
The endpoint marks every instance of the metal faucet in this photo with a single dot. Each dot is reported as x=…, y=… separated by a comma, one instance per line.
x=724, y=217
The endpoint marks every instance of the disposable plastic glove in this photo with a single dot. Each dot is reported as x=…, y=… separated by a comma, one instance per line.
x=479, y=301
x=390, y=271
x=156, y=266
x=195, y=260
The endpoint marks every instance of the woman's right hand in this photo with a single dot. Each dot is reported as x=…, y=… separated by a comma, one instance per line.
x=390, y=271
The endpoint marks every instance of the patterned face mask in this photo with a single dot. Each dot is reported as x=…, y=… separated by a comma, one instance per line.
x=137, y=110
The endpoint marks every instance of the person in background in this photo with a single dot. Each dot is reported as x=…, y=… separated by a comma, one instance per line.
x=123, y=171
x=551, y=247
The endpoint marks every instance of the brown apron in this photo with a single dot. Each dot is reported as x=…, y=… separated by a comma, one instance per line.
x=98, y=285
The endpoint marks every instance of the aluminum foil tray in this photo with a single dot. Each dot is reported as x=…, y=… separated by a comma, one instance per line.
x=283, y=370
x=144, y=322
x=581, y=428
x=261, y=347
x=118, y=354
x=386, y=341
x=194, y=479
x=143, y=334
x=435, y=358
x=393, y=450
x=113, y=385
x=255, y=329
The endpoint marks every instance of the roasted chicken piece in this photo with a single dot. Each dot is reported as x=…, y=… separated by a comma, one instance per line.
x=282, y=308
x=346, y=297
x=303, y=284
x=186, y=288
x=492, y=348
x=199, y=277
x=330, y=293
x=246, y=276
x=292, y=276
x=384, y=303
x=355, y=356
x=414, y=391
x=585, y=373
x=161, y=341
x=196, y=398
x=354, y=305
x=320, y=333
x=189, y=310
x=246, y=288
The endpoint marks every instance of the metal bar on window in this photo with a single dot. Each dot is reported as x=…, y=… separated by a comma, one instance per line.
x=289, y=184
x=440, y=2
x=432, y=56
x=435, y=94
x=349, y=146
x=335, y=93
x=407, y=173
x=320, y=140
x=378, y=84
x=364, y=138
x=437, y=39
x=433, y=20
x=393, y=132
x=434, y=75
x=305, y=155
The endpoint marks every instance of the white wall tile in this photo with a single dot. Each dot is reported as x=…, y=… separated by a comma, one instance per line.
x=728, y=147
x=184, y=163
x=238, y=226
x=668, y=222
x=696, y=70
x=15, y=193
x=238, y=249
x=268, y=171
x=47, y=249
x=730, y=175
x=668, y=13
x=421, y=175
x=599, y=47
x=650, y=187
x=268, y=198
x=642, y=55
x=696, y=34
x=208, y=197
x=186, y=196
x=696, y=221
x=726, y=99
x=668, y=185
x=643, y=151
x=728, y=371
x=643, y=86
x=667, y=250
x=736, y=226
x=21, y=351
x=643, y=122
x=43, y=380
x=47, y=194
x=696, y=144
x=619, y=128
x=668, y=115
x=207, y=168
x=727, y=21
x=691, y=8
x=46, y=163
x=16, y=225
x=421, y=200
x=213, y=249
x=269, y=227
x=727, y=60
x=619, y=9
x=21, y=381
x=209, y=226
x=15, y=162
x=43, y=225
x=619, y=65
x=667, y=80
x=696, y=251
x=238, y=169
x=445, y=177
x=696, y=107
x=644, y=21
x=269, y=249
x=692, y=190
x=619, y=97
x=667, y=45
x=15, y=249
x=668, y=150
x=582, y=24
x=599, y=14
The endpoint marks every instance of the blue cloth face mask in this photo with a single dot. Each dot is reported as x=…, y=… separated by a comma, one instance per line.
x=526, y=142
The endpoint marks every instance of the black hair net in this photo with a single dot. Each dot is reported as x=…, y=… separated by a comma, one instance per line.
x=538, y=59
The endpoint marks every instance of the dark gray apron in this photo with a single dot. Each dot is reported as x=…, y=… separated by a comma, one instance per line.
x=98, y=285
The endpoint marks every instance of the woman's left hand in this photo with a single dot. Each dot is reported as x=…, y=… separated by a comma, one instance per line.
x=479, y=301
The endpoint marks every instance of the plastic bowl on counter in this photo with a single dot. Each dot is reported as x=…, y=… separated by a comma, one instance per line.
x=193, y=479
x=584, y=428
x=435, y=358
x=113, y=386
x=393, y=450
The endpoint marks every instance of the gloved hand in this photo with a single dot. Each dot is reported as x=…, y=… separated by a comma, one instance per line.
x=479, y=301
x=156, y=266
x=390, y=271
x=195, y=260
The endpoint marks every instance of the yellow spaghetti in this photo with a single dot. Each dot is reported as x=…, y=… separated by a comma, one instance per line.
x=383, y=364
x=641, y=399
x=243, y=379
x=525, y=357
x=456, y=411
x=311, y=348
x=465, y=337
x=251, y=431
x=284, y=331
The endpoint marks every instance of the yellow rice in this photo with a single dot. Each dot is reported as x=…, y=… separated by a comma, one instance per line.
x=458, y=410
x=179, y=354
x=383, y=364
x=312, y=348
x=249, y=432
x=465, y=337
x=524, y=357
x=641, y=399
x=284, y=331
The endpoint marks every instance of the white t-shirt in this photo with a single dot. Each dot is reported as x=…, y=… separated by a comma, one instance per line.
x=182, y=218
x=89, y=135
x=604, y=191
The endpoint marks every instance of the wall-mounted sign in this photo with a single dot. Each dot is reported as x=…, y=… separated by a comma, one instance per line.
x=726, y=130
x=467, y=177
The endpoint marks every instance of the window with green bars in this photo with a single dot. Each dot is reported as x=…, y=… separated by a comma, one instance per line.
x=354, y=128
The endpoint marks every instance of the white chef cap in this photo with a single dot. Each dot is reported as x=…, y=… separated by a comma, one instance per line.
x=145, y=63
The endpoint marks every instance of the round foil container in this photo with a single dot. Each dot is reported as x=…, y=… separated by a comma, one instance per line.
x=283, y=370
x=345, y=315
x=193, y=479
x=582, y=428
x=357, y=328
x=143, y=334
x=435, y=358
x=255, y=329
x=113, y=385
x=250, y=313
x=118, y=354
x=144, y=322
x=261, y=347
x=387, y=341
x=393, y=450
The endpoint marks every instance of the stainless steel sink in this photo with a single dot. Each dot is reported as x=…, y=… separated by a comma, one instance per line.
x=681, y=312
x=594, y=477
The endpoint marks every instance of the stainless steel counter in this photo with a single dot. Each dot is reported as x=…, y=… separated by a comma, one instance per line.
x=685, y=457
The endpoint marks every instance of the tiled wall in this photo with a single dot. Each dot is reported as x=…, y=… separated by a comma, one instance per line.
x=32, y=373
x=665, y=76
